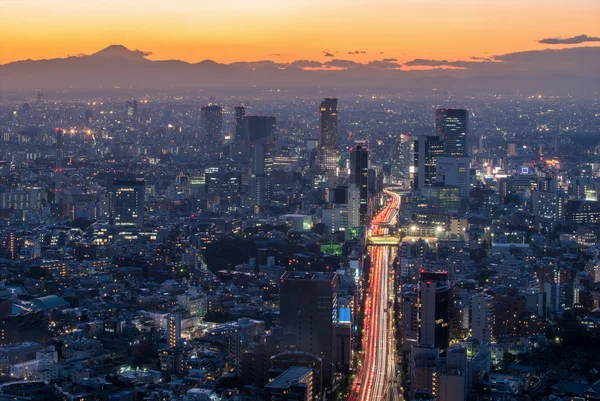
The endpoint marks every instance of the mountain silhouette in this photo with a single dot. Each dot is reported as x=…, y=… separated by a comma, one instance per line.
x=572, y=70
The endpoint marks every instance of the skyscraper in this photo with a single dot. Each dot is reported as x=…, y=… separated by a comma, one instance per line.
x=456, y=171
x=212, y=125
x=434, y=298
x=261, y=141
x=426, y=149
x=131, y=110
x=359, y=176
x=258, y=127
x=451, y=125
x=328, y=131
x=58, y=167
x=127, y=202
x=240, y=113
x=308, y=310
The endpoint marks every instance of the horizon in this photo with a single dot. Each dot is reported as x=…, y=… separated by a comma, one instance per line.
x=297, y=30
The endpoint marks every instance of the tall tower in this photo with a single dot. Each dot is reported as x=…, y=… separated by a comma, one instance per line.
x=131, y=110
x=426, y=150
x=451, y=125
x=328, y=130
x=359, y=176
x=308, y=310
x=58, y=167
x=212, y=125
x=434, y=297
x=260, y=135
x=240, y=113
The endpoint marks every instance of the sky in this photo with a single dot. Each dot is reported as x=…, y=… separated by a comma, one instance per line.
x=286, y=30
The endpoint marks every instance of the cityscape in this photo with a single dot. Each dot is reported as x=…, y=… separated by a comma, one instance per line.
x=369, y=229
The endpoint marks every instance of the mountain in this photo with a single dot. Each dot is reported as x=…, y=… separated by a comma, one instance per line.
x=572, y=70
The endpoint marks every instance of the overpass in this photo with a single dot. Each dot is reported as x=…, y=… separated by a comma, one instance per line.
x=380, y=240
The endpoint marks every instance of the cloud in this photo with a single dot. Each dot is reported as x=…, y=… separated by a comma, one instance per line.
x=306, y=64
x=387, y=63
x=570, y=41
x=381, y=53
x=275, y=54
x=328, y=54
x=481, y=58
x=356, y=52
x=338, y=63
x=446, y=63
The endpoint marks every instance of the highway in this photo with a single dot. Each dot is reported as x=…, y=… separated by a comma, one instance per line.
x=377, y=379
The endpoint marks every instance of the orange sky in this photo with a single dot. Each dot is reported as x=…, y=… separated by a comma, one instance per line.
x=235, y=30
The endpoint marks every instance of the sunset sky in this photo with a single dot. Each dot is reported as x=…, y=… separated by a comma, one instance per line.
x=286, y=30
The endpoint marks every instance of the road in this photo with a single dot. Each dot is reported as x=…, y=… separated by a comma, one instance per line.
x=377, y=379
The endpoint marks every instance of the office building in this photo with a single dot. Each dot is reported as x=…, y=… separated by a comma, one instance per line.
x=427, y=148
x=308, y=310
x=482, y=317
x=328, y=156
x=410, y=316
x=434, y=298
x=423, y=359
x=442, y=198
x=240, y=113
x=548, y=206
x=212, y=126
x=131, y=110
x=257, y=128
x=260, y=192
x=295, y=384
x=127, y=202
x=359, y=176
x=454, y=170
x=451, y=125
x=58, y=171
x=512, y=149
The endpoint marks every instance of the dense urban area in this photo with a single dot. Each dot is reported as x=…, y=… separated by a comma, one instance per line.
x=284, y=245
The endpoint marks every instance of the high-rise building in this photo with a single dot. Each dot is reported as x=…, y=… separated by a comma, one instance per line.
x=482, y=317
x=451, y=125
x=423, y=359
x=58, y=167
x=410, y=317
x=173, y=329
x=512, y=149
x=240, y=113
x=89, y=116
x=427, y=149
x=442, y=198
x=257, y=128
x=308, y=310
x=359, y=176
x=328, y=130
x=434, y=298
x=402, y=157
x=127, y=202
x=131, y=110
x=260, y=191
x=456, y=171
x=212, y=126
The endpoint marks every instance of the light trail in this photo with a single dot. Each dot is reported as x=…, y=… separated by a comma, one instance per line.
x=376, y=380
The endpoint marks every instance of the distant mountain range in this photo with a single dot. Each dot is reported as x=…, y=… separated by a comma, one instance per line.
x=572, y=70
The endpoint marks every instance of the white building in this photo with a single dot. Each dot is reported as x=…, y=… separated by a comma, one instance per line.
x=482, y=317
